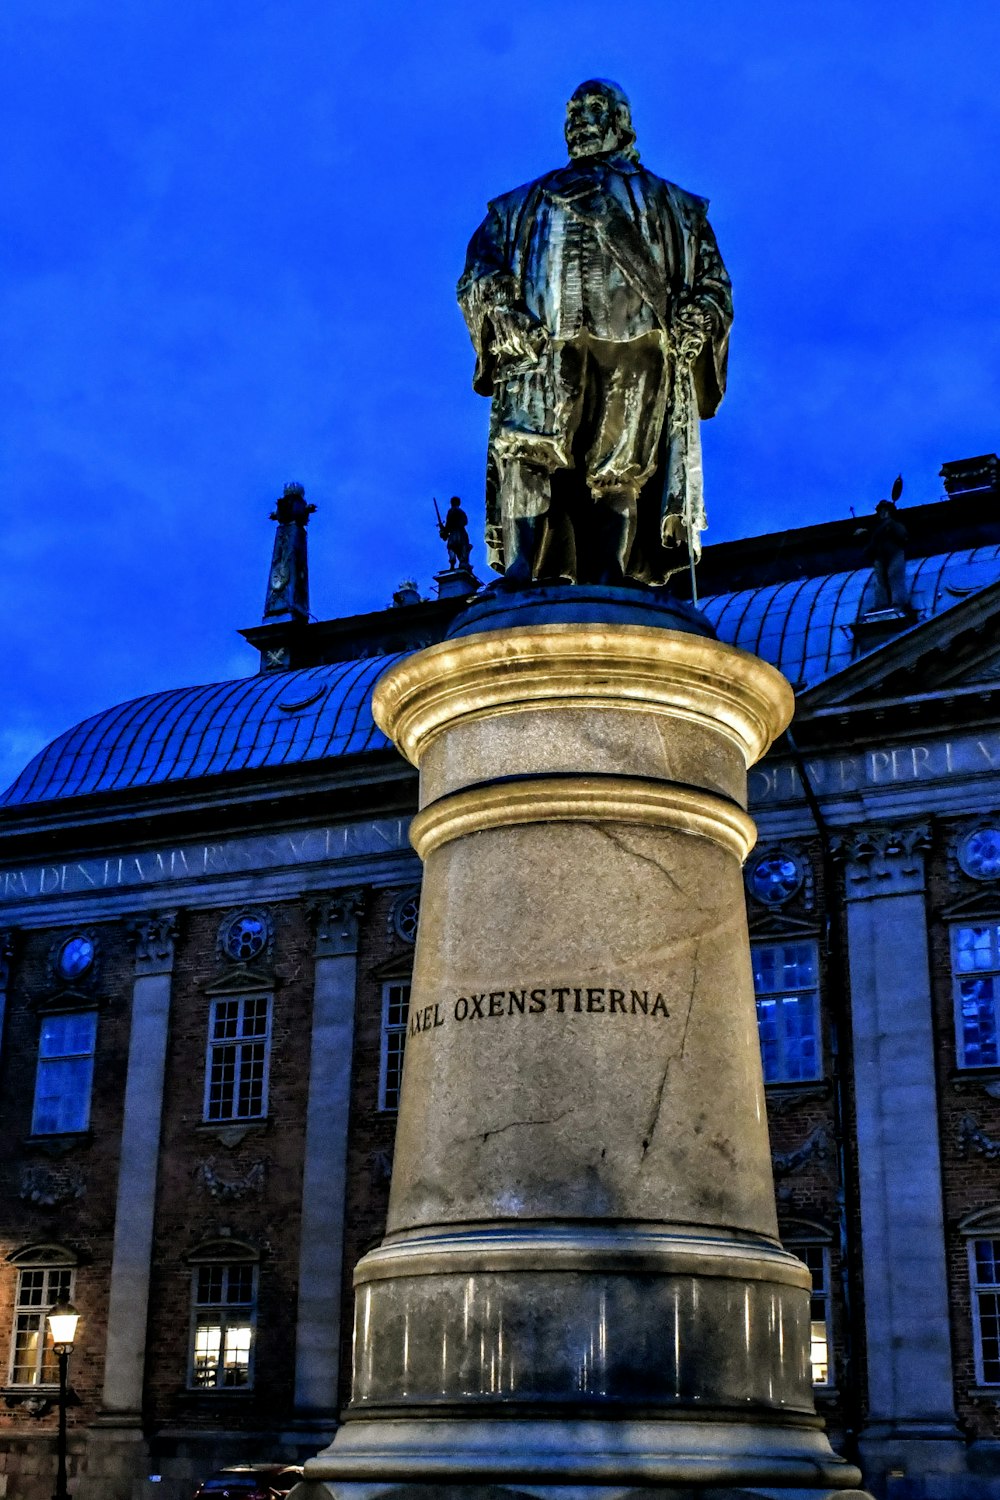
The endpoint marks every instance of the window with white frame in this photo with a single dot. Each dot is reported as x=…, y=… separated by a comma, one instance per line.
x=815, y=1252
x=239, y=1041
x=44, y=1277
x=975, y=967
x=786, y=983
x=984, y=1274
x=817, y=1258
x=223, y=1325
x=65, y=1072
x=395, y=1013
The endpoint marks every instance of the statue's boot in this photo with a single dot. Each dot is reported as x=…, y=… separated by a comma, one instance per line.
x=521, y=568
x=614, y=531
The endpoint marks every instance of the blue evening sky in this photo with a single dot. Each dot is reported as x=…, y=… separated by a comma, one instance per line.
x=233, y=233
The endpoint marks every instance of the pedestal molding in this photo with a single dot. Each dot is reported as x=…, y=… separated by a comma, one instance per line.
x=583, y=799
x=620, y=667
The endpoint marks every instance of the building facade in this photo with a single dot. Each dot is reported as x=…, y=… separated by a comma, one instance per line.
x=208, y=906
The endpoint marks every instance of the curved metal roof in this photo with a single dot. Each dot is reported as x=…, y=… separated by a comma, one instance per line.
x=271, y=720
x=802, y=626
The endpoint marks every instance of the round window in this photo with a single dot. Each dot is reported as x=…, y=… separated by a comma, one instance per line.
x=75, y=956
x=774, y=878
x=245, y=937
x=405, y=914
x=979, y=854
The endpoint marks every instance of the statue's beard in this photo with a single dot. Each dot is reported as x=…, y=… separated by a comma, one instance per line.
x=582, y=143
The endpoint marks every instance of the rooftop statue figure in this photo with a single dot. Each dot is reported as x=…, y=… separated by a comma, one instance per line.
x=599, y=308
x=886, y=550
x=454, y=532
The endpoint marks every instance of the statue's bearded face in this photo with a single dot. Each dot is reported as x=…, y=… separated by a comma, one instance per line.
x=592, y=125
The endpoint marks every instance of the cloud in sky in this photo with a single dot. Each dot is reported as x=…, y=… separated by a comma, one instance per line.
x=234, y=233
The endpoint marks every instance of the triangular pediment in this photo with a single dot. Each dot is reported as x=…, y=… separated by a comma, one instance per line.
x=953, y=652
x=776, y=924
x=984, y=904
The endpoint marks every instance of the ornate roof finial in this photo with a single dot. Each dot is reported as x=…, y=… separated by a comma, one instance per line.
x=288, y=580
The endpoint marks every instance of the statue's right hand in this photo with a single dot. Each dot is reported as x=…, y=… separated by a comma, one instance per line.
x=517, y=335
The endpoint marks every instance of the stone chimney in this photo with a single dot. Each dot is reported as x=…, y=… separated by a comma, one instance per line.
x=972, y=476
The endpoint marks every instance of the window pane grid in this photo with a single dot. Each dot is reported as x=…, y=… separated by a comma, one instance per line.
x=223, y=1334
x=395, y=1014
x=65, y=1073
x=976, y=972
x=985, y=1265
x=33, y=1359
x=817, y=1258
x=786, y=985
x=239, y=1036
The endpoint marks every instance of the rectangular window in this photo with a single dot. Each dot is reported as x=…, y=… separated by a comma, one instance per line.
x=984, y=1271
x=786, y=982
x=225, y=1303
x=239, y=1035
x=395, y=1012
x=32, y=1359
x=65, y=1073
x=817, y=1258
x=975, y=967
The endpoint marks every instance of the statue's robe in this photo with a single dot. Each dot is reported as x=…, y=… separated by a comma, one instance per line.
x=606, y=245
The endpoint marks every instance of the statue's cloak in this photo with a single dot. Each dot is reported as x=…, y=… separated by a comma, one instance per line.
x=660, y=252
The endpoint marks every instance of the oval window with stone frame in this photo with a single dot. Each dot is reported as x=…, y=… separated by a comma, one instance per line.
x=979, y=853
x=75, y=956
x=245, y=937
x=406, y=914
x=775, y=877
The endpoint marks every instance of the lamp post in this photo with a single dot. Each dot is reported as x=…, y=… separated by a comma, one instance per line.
x=63, y=1319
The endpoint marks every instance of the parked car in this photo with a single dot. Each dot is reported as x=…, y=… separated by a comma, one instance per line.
x=250, y=1482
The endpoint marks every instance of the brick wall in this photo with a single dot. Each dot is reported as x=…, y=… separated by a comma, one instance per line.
x=78, y=1171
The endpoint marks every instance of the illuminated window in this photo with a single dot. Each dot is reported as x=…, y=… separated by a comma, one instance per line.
x=39, y=1287
x=223, y=1326
x=817, y=1258
x=786, y=981
x=395, y=1011
x=239, y=1036
x=65, y=1072
x=984, y=1271
x=975, y=967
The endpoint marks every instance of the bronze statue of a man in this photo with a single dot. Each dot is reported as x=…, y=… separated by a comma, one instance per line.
x=599, y=308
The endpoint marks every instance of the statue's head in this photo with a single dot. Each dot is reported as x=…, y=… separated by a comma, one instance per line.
x=599, y=119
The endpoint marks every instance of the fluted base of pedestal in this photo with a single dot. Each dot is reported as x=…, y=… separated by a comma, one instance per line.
x=577, y=1458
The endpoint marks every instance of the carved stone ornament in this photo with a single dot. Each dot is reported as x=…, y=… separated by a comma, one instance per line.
x=818, y=1145
x=51, y=1187
x=245, y=936
x=230, y=1189
x=883, y=861
x=335, y=920
x=599, y=310
x=153, y=936
x=972, y=1138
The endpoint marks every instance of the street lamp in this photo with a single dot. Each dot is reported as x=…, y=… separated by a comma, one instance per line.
x=63, y=1319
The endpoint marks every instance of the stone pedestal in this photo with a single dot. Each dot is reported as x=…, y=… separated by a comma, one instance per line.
x=581, y=1290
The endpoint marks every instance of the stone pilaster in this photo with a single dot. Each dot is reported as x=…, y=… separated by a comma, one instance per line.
x=153, y=936
x=6, y=950
x=321, y=1254
x=910, y=1388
